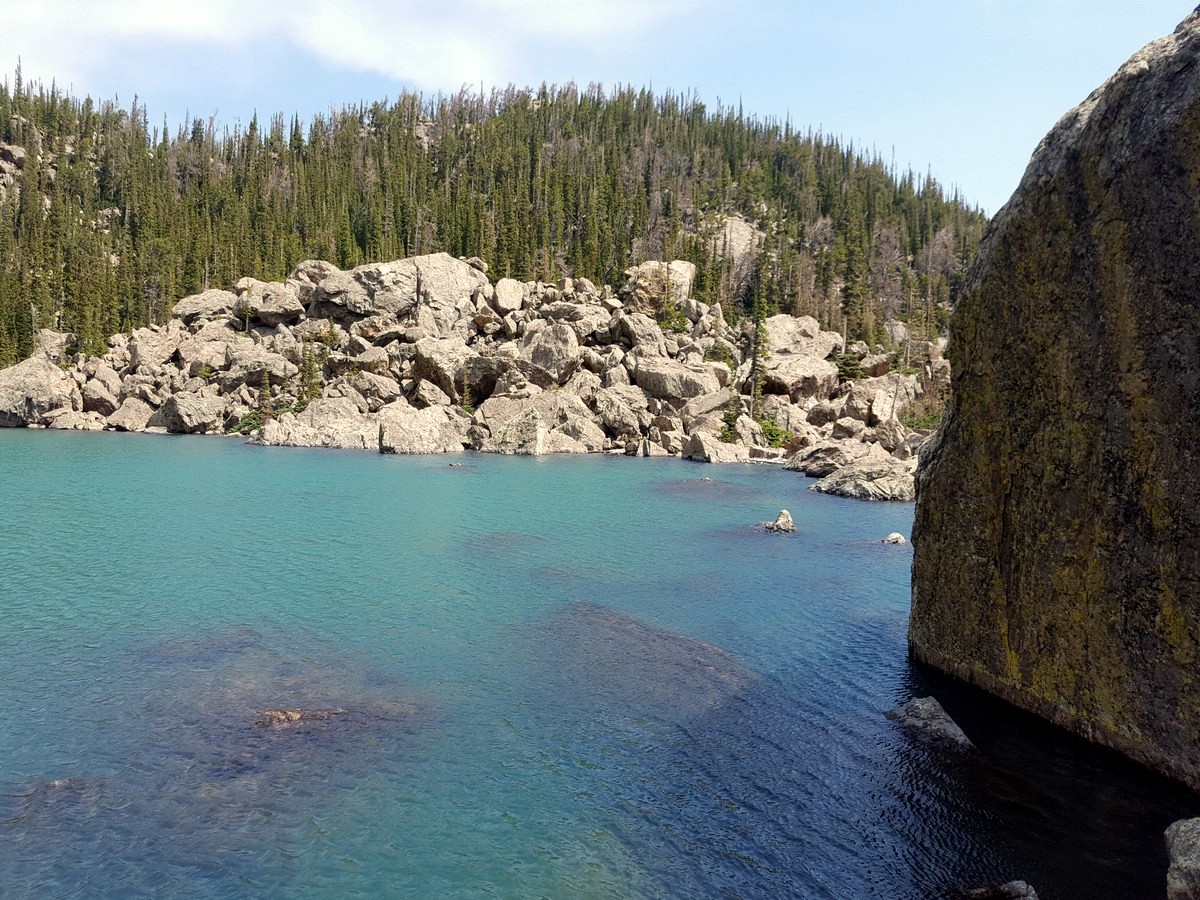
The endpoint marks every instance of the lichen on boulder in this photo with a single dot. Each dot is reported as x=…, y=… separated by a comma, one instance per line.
x=1057, y=532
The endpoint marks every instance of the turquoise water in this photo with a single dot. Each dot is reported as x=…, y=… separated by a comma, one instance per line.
x=523, y=656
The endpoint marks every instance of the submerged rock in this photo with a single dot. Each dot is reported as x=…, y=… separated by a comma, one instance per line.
x=1057, y=533
x=1183, y=851
x=604, y=655
x=281, y=718
x=925, y=717
x=1013, y=890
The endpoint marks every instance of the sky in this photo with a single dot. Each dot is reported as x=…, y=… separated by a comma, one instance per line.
x=963, y=89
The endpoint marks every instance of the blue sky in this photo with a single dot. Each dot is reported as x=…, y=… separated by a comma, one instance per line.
x=964, y=89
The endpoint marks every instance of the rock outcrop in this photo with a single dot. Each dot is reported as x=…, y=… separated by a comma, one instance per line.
x=1057, y=533
x=425, y=355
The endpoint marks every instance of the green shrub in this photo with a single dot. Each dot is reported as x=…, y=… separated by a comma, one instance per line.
x=776, y=436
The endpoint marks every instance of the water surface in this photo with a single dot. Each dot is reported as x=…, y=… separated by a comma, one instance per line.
x=583, y=677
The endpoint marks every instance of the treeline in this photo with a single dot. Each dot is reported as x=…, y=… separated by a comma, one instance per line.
x=112, y=218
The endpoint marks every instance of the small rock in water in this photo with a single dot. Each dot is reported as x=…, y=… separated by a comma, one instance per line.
x=1183, y=851
x=1014, y=890
x=277, y=718
x=783, y=524
x=894, y=538
x=925, y=716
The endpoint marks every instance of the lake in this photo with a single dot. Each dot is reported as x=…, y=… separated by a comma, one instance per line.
x=529, y=677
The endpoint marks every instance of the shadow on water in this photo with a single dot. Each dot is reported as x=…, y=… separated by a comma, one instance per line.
x=1073, y=819
x=229, y=762
x=721, y=782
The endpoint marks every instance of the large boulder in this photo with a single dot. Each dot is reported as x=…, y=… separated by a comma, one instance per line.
x=334, y=422
x=800, y=377
x=434, y=429
x=211, y=304
x=667, y=379
x=871, y=478
x=800, y=336
x=269, y=302
x=653, y=286
x=190, y=413
x=548, y=422
x=251, y=365
x=1183, y=851
x=132, y=415
x=554, y=348
x=703, y=447
x=32, y=388
x=925, y=718
x=153, y=346
x=1057, y=535
x=436, y=283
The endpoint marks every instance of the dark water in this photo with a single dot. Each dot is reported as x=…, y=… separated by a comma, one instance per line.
x=560, y=678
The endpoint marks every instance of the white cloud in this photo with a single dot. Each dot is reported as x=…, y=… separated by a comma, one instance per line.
x=445, y=46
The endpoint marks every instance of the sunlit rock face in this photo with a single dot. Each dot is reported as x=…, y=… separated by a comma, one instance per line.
x=1057, y=534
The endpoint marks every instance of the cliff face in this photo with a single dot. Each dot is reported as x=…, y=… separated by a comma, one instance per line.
x=1057, y=534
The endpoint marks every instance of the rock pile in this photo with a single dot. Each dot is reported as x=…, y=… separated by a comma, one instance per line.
x=427, y=355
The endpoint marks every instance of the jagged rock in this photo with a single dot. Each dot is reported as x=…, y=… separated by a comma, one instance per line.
x=925, y=717
x=894, y=538
x=250, y=365
x=877, y=364
x=1058, y=531
x=132, y=415
x=870, y=479
x=800, y=377
x=436, y=283
x=13, y=155
x=155, y=345
x=509, y=296
x=655, y=286
x=306, y=277
x=32, y=388
x=1013, y=890
x=703, y=447
x=435, y=429
x=1183, y=852
x=550, y=422
x=826, y=412
x=639, y=331
x=846, y=428
x=442, y=361
x=211, y=304
x=98, y=397
x=800, y=336
x=205, y=358
x=334, y=422
x=667, y=379
x=268, y=302
x=71, y=420
x=554, y=348
x=188, y=413
x=826, y=457
x=783, y=523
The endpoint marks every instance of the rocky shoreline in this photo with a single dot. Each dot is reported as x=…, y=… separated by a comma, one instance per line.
x=427, y=355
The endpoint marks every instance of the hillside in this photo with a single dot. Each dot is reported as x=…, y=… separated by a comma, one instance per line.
x=106, y=220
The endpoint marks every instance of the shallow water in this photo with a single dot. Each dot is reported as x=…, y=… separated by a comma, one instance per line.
x=584, y=677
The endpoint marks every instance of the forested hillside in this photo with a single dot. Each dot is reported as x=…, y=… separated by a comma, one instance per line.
x=106, y=219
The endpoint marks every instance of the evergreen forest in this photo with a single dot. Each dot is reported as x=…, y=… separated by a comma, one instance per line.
x=106, y=219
